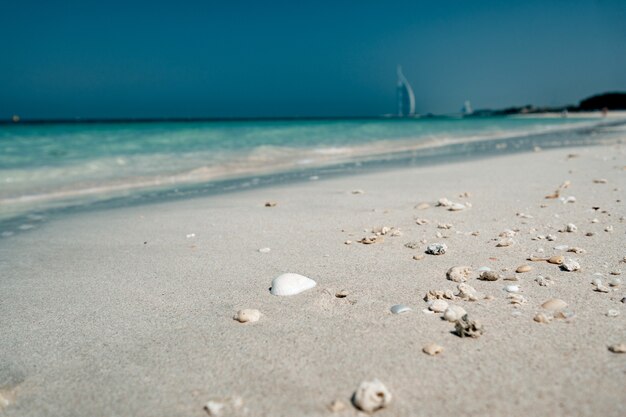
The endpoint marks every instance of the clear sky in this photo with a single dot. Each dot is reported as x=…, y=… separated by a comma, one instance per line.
x=230, y=58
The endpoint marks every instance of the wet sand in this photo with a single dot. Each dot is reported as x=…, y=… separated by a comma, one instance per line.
x=130, y=311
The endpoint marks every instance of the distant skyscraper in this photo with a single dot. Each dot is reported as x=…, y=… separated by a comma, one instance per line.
x=406, y=98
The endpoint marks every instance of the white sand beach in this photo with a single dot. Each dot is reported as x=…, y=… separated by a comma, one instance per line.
x=129, y=312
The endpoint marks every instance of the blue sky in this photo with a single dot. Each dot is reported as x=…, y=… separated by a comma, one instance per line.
x=239, y=59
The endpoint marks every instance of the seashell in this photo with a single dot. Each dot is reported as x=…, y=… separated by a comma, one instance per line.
x=561, y=247
x=599, y=287
x=483, y=268
x=419, y=257
x=368, y=240
x=505, y=242
x=446, y=226
x=542, y=318
x=342, y=294
x=551, y=238
x=609, y=228
x=557, y=259
x=523, y=268
x=459, y=273
x=618, y=348
x=432, y=349
x=554, y=304
x=612, y=313
x=291, y=284
x=467, y=292
x=489, y=276
x=457, y=207
x=264, y=250
x=436, y=249
x=563, y=315
x=438, y=306
x=227, y=407
x=444, y=202
x=570, y=265
x=347, y=242
x=270, y=204
x=454, y=313
x=400, y=308
x=576, y=249
x=511, y=288
x=358, y=191
x=371, y=396
x=421, y=222
x=615, y=282
x=465, y=327
x=422, y=206
x=247, y=315
x=524, y=215
x=336, y=406
x=570, y=228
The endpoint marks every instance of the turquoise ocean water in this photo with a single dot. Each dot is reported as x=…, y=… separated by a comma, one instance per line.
x=55, y=166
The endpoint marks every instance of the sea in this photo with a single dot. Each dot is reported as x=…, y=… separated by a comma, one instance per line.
x=50, y=169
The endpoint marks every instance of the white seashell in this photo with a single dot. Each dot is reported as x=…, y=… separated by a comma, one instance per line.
x=264, y=250
x=432, y=349
x=247, y=315
x=561, y=247
x=371, y=396
x=226, y=407
x=437, y=249
x=612, y=313
x=467, y=292
x=454, y=313
x=400, y=308
x=571, y=227
x=291, y=284
x=615, y=282
x=457, y=207
x=507, y=241
x=511, y=288
x=483, y=269
x=438, y=306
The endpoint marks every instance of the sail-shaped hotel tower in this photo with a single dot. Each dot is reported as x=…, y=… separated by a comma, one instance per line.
x=406, y=98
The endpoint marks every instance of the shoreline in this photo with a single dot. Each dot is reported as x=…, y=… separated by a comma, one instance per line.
x=129, y=310
x=18, y=209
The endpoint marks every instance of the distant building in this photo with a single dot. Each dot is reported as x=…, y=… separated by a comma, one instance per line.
x=406, y=98
x=467, y=108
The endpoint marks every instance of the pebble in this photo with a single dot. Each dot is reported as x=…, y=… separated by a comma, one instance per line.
x=368, y=240
x=247, y=316
x=576, y=249
x=226, y=408
x=517, y=299
x=608, y=228
x=444, y=202
x=544, y=281
x=612, y=313
x=523, y=268
x=432, y=349
x=270, y=204
x=557, y=260
x=264, y=250
x=336, y=406
x=438, y=306
x=561, y=247
x=291, y=284
x=436, y=249
x=571, y=228
x=551, y=238
x=347, y=242
x=421, y=222
x=438, y=295
x=599, y=287
x=489, y=276
x=467, y=292
x=618, y=348
x=507, y=233
x=412, y=245
x=358, y=191
x=400, y=308
x=615, y=282
x=542, y=318
x=457, y=207
x=464, y=327
x=570, y=265
x=371, y=396
x=422, y=206
x=419, y=257
x=459, y=273
x=600, y=181
x=554, y=304
x=511, y=288
x=505, y=242
x=454, y=313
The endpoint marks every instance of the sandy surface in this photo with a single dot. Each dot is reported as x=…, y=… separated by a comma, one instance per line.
x=119, y=313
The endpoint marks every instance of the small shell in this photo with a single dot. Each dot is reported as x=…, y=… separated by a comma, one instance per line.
x=438, y=306
x=507, y=233
x=459, y=273
x=454, y=313
x=505, y=242
x=457, y=207
x=615, y=282
x=618, y=348
x=483, y=268
x=542, y=318
x=554, y=304
x=612, y=313
x=264, y=250
x=571, y=227
x=557, y=259
x=422, y=206
x=523, y=268
x=291, y=284
x=489, y=276
x=270, y=204
x=467, y=292
x=371, y=396
x=511, y=288
x=432, y=349
x=437, y=249
x=544, y=281
x=561, y=247
x=465, y=327
x=419, y=257
x=247, y=315
x=516, y=299
x=400, y=308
